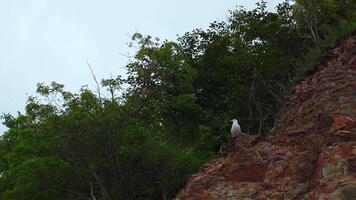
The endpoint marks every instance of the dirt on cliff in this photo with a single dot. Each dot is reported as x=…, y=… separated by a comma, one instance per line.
x=312, y=152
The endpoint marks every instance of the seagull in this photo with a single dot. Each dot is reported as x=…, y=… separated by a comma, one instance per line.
x=235, y=128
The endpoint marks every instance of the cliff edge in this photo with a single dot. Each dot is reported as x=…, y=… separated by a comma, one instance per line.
x=312, y=152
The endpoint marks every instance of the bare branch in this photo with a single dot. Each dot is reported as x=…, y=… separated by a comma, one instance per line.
x=126, y=55
x=98, y=181
x=91, y=191
x=94, y=77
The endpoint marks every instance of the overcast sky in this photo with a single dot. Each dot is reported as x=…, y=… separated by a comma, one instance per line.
x=49, y=40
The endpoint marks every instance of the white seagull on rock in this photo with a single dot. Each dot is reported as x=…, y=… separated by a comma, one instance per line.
x=235, y=128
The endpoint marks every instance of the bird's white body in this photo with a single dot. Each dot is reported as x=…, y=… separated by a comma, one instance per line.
x=235, y=128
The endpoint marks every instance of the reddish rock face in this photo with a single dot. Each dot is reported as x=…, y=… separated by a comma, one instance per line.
x=312, y=153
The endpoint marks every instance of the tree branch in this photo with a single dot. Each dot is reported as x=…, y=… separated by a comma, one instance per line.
x=94, y=77
x=98, y=181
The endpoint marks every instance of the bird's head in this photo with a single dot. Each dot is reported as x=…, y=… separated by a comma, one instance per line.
x=233, y=120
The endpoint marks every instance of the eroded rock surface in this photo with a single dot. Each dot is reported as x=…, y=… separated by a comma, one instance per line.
x=312, y=154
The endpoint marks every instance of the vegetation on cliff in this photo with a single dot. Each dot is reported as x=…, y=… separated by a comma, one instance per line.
x=313, y=151
x=141, y=137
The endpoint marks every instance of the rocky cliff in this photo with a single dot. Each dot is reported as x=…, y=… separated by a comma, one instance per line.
x=312, y=152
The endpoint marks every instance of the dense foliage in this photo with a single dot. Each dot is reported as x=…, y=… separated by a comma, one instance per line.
x=141, y=137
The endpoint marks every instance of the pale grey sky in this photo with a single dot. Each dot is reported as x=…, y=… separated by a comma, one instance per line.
x=49, y=40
